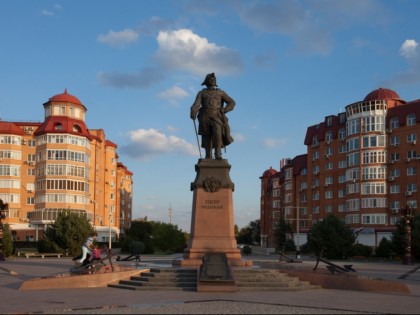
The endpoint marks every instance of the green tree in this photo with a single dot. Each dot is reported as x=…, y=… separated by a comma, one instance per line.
x=168, y=238
x=384, y=248
x=68, y=232
x=142, y=231
x=250, y=234
x=7, y=241
x=333, y=236
x=281, y=231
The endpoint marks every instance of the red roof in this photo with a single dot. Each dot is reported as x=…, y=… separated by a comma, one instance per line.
x=382, y=94
x=10, y=128
x=269, y=172
x=65, y=97
x=62, y=124
x=110, y=144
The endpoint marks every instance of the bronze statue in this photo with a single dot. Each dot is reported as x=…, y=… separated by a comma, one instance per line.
x=213, y=123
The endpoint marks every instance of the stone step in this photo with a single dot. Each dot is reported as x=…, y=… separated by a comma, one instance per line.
x=186, y=279
x=151, y=288
x=159, y=283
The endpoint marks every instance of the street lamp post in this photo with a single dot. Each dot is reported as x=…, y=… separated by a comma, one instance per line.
x=408, y=215
x=110, y=234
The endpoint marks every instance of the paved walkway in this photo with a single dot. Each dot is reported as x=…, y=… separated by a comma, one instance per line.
x=118, y=301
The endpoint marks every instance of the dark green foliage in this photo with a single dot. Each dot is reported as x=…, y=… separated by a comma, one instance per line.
x=142, y=231
x=280, y=233
x=168, y=238
x=384, y=248
x=361, y=250
x=7, y=241
x=290, y=245
x=137, y=247
x=69, y=232
x=250, y=234
x=333, y=236
x=47, y=246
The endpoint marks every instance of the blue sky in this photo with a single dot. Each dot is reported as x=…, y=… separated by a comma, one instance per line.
x=137, y=66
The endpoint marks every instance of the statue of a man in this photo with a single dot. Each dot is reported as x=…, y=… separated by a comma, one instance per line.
x=213, y=123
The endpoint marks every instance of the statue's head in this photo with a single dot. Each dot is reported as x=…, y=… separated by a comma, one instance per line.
x=210, y=80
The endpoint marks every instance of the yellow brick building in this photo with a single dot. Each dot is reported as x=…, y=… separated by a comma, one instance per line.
x=61, y=165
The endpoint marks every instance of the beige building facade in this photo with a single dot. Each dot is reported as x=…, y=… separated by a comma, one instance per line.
x=60, y=165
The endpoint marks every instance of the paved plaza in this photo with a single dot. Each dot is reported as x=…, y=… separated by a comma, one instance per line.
x=106, y=300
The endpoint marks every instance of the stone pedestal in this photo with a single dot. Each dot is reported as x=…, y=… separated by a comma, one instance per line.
x=212, y=221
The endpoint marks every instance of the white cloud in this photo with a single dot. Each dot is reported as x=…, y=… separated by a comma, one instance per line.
x=46, y=12
x=174, y=94
x=272, y=143
x=409, y=48
x=119, y=39
x=238, y=137
x=146, y=144
x=184, y=50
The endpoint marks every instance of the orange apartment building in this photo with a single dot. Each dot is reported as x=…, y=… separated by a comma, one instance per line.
x=360, y=165
x=61, y=165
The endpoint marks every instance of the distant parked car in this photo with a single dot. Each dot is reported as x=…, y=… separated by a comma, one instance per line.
x=240, y=246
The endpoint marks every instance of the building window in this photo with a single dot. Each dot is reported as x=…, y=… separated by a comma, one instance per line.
x=58, y=126
x=328, y=194
x=411, y=138
x=329, y=137
x=316, y=169
x=342, y=149
x=411, y=154
x=328, y=180
x=329, y=166
x=329, y=121
x=353, y=159
x=342, y=118
x=315, y=155
x=341, y=193
x=374, y=218
x=30, y=200
x=395, y=205
x=411, y=119
x=412, y=204
x=315, y=210
x=328, y=152
x=315, y=196
x=394, y=123
x=328, y=208
x=276, y=204
x=342, y=134
x=394, y=157
x=304, y=171
x=373, y=157
x=411, y=171
x=395, y=172
x=394, y=189
x=411, y=187
x=353, y=144
x=394, y=141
